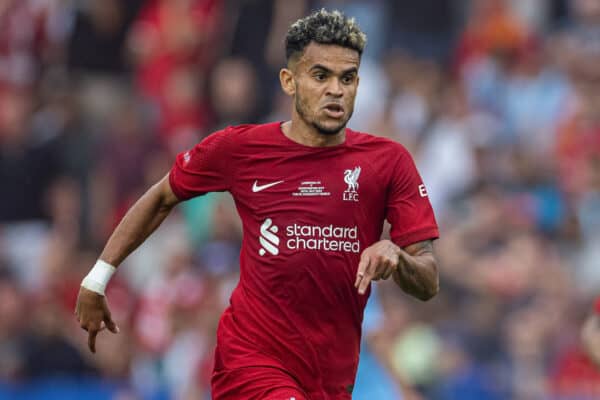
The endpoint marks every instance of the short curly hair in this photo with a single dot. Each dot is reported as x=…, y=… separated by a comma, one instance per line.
x=324, y=27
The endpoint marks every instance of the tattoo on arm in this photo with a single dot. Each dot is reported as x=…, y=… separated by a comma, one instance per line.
x=417, y=276
x=420, y=248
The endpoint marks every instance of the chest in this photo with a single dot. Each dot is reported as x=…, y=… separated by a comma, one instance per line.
x=339, y=188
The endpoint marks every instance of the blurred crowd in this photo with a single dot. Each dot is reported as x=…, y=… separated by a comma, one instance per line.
x=498, y=101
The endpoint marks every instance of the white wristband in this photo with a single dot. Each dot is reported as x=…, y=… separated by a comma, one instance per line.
x=98, y=277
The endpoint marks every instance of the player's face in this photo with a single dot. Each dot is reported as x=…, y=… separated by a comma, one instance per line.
x=326, y=80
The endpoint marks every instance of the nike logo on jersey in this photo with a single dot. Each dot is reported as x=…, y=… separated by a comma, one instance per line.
x=259, y=188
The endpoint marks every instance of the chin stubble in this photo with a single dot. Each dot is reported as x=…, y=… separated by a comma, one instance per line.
x=315, y=124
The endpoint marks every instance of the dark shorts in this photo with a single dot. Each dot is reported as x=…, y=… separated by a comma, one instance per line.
x=255, y=383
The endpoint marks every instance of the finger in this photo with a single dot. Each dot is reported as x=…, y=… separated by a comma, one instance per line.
x=83, y=324
x=387, y=268
x=362, y=267
x=388, y=272
x=377, y=277
x=382, y=264
x=111, y=325
x=366, y=279
x=92, y=339
x=359, y=276
x=364, y=283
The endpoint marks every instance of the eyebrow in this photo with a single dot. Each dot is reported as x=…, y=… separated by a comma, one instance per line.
x=324, y=68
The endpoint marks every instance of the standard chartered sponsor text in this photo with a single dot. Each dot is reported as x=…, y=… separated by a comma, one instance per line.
x=328, y=238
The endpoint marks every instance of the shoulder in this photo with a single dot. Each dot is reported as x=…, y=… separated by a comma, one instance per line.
x=381, y=146
x=240, y=134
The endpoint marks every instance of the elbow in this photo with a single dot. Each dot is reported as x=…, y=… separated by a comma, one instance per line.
x=163, y=195
x=431, y=283
x=432, y=287
x=429, y=292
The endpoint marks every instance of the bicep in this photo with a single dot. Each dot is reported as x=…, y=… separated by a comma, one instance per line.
x=164, y=190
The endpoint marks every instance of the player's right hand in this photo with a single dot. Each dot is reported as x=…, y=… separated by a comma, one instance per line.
x=93, y=315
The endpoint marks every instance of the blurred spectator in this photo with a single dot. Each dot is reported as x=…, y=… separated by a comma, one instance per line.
x=168, y=35
x=579, y=43
x=48, y=350
x=233, y=91
x=174, y=44
x=97, y=41
x=535, y=14
x=535, y=99
x=20, y=49
x=257, y=29
x=29, y=165
x=29, y=161
x=126, y=145
x=492, y=29
x=448, y=152
x=424, y=28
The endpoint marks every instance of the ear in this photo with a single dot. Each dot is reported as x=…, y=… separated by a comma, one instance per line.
x=286, y=78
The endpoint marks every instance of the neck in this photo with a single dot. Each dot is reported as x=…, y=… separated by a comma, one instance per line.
x=300, y=132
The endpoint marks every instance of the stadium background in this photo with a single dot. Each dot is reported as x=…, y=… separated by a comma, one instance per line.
x=499, y=101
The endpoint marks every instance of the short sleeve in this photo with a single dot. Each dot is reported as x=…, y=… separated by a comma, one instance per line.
x=409, y=211
x=204, y=168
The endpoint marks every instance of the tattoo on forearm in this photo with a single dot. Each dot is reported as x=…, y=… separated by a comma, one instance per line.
x=420, y=248
x=419, y=276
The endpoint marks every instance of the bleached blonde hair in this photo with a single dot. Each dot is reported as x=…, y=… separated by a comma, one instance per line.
x=324, y=27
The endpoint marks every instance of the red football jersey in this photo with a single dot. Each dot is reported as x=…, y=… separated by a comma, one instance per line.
x=307, y=213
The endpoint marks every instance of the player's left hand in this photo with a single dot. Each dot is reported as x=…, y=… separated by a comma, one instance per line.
x=377, y=261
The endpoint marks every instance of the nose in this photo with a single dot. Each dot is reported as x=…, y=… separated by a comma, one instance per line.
x=334, y=88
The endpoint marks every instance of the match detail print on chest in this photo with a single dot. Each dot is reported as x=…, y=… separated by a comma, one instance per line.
x=317, y=188
x=342, y=183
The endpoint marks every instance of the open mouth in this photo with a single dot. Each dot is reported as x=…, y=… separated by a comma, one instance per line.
x=334, y=110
